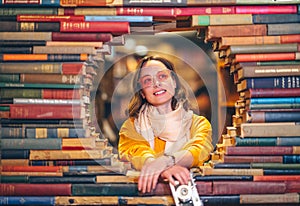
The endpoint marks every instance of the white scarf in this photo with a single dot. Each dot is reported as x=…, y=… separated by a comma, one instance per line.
x=173, y=127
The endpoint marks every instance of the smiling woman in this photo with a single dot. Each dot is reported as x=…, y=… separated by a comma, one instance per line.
x=162, y=137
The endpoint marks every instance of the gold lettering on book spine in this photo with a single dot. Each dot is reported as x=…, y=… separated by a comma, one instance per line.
x=26, y=26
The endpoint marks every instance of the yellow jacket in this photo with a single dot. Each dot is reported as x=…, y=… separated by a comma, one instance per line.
x=135, y=149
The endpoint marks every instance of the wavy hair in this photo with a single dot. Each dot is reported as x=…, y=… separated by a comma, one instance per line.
x=137, y=100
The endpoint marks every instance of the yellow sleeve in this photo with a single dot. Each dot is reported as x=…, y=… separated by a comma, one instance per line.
x=200, y=144
x=132, y=146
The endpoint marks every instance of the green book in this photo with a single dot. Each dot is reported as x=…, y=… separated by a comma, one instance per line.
x=115, y=189
x=33, y=85
x=32, y=144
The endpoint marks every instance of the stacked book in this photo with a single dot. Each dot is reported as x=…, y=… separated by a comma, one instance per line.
x=257, y=159
x=49, y=67
x=52, y=51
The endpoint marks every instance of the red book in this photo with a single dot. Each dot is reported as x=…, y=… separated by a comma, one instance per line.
x=276, y=92
x=290, y=38
x=259, y=150
x=72, y=68
x=48, y=18
x=85, y=37
x=116, y=28
x=12, y=168
x=76, y=3
x=61, y=93
x=265, y=57
x=248, y=187
x=24, y=189
x=266, y=9
x=292, y=186
x=173, y=12
x=41, y=111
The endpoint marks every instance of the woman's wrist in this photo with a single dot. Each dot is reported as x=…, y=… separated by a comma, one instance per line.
x=171, y=161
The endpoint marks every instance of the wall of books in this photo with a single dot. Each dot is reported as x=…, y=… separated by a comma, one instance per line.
x=51, y=52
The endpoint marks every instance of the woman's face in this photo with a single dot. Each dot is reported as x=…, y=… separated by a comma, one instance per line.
x=158, y=86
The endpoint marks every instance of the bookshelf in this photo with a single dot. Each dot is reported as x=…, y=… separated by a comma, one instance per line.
x=82, y=165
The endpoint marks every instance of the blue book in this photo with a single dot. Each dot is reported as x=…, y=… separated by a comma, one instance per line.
x=267, y=141
x=269, y=82
x=275, y=100
x=142, y=19
x=27, y=200
x=291, y=159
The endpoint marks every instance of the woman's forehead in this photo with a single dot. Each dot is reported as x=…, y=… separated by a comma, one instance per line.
x=152, y=66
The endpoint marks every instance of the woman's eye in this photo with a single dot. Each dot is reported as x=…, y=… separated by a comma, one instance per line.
x=163, y=76
x=147, y=80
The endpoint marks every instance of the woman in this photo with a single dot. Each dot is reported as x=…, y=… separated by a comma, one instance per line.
x=162, y=137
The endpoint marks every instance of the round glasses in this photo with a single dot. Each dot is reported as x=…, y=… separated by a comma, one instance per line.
x=160, y=76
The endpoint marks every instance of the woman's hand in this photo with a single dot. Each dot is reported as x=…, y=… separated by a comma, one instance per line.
x=179, y=173
x=151, y=172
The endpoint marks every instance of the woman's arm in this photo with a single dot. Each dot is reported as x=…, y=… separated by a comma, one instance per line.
x=132, y=146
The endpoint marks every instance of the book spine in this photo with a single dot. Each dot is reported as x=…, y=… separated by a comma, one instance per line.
x=256, y=141
x=291, y=159
x=28, y=111
x=283, y=29
x=9, y=168
x=289, y=198
x=47, y=154
x=24, y=189
x=21, y=3
x=43, y=57
x=14, y=154
x=10, y=78
x=266, y=9
x=116, y=189
x=119, y=28
x=86, y=37
x=265, y=57
x=54, y=132
x=54, y=180
x=42, y=67
x=51, y=78
x=26, y=36
x=13, y=11
x=268, y=71
x=16, y=50
x=14, y=179
x=275, y=100
x=275, y=18
x=29, y=26
x=89, y=3
x=30, y=200
x=270, y=178
x=39, y=86
x=40, y=93
x=274, y=82
x=246, y=187
x=259, y=150
x=279, y=92
x=222, y=19
x=24, y=144
x=49, y=18
x=47, y=101
x=252, y=158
